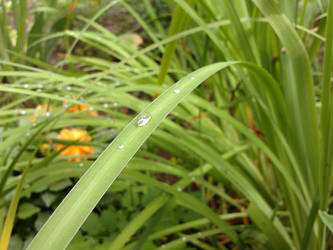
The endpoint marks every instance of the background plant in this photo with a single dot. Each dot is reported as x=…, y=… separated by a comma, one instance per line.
x=258, y=131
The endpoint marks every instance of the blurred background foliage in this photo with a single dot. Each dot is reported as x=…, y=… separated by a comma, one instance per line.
x=74, y=73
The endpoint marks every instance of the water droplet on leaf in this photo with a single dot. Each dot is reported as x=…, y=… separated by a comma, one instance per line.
x=122, y=146
x=143, y=119
x=176, y=91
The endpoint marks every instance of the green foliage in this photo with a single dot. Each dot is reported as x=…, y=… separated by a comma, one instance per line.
x=242, y=161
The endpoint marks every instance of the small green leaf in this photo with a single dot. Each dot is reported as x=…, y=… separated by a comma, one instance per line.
x=27, y=210
x=15, y=243
x=48, y=198
x=93, y=225
x=41, y=219
x=327, y=219
x=109, y=220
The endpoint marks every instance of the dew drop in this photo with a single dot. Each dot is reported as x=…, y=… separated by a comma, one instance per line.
x=47, y=114
x=81, y=164
x=117, y=83
x=179, y=189
x=115, y=104
x=184, y=238
x=105, y=105
x=143, y=120
x=122, y=146
x=26, y=86
x=192, y=78
x=176, y=91
x=23, y=112
x=69, y=88
x=91, y=108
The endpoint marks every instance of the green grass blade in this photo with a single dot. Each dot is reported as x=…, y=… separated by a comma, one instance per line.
x=303, y=115
x=72, y=212
x=177, y=23
x=137, y=222
x=309, y=225
x=326, y=102
x=275, y=239
x=10, y=218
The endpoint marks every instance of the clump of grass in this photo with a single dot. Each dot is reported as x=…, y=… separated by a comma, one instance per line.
x=255, y=127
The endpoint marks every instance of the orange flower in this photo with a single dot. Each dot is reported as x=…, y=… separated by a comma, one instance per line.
x=39, y=110
x=77, y=108
x=75, y=135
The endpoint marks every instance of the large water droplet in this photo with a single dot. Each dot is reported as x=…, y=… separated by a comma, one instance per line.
x=176, y=91
x=122, y=146
x=143, y=120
